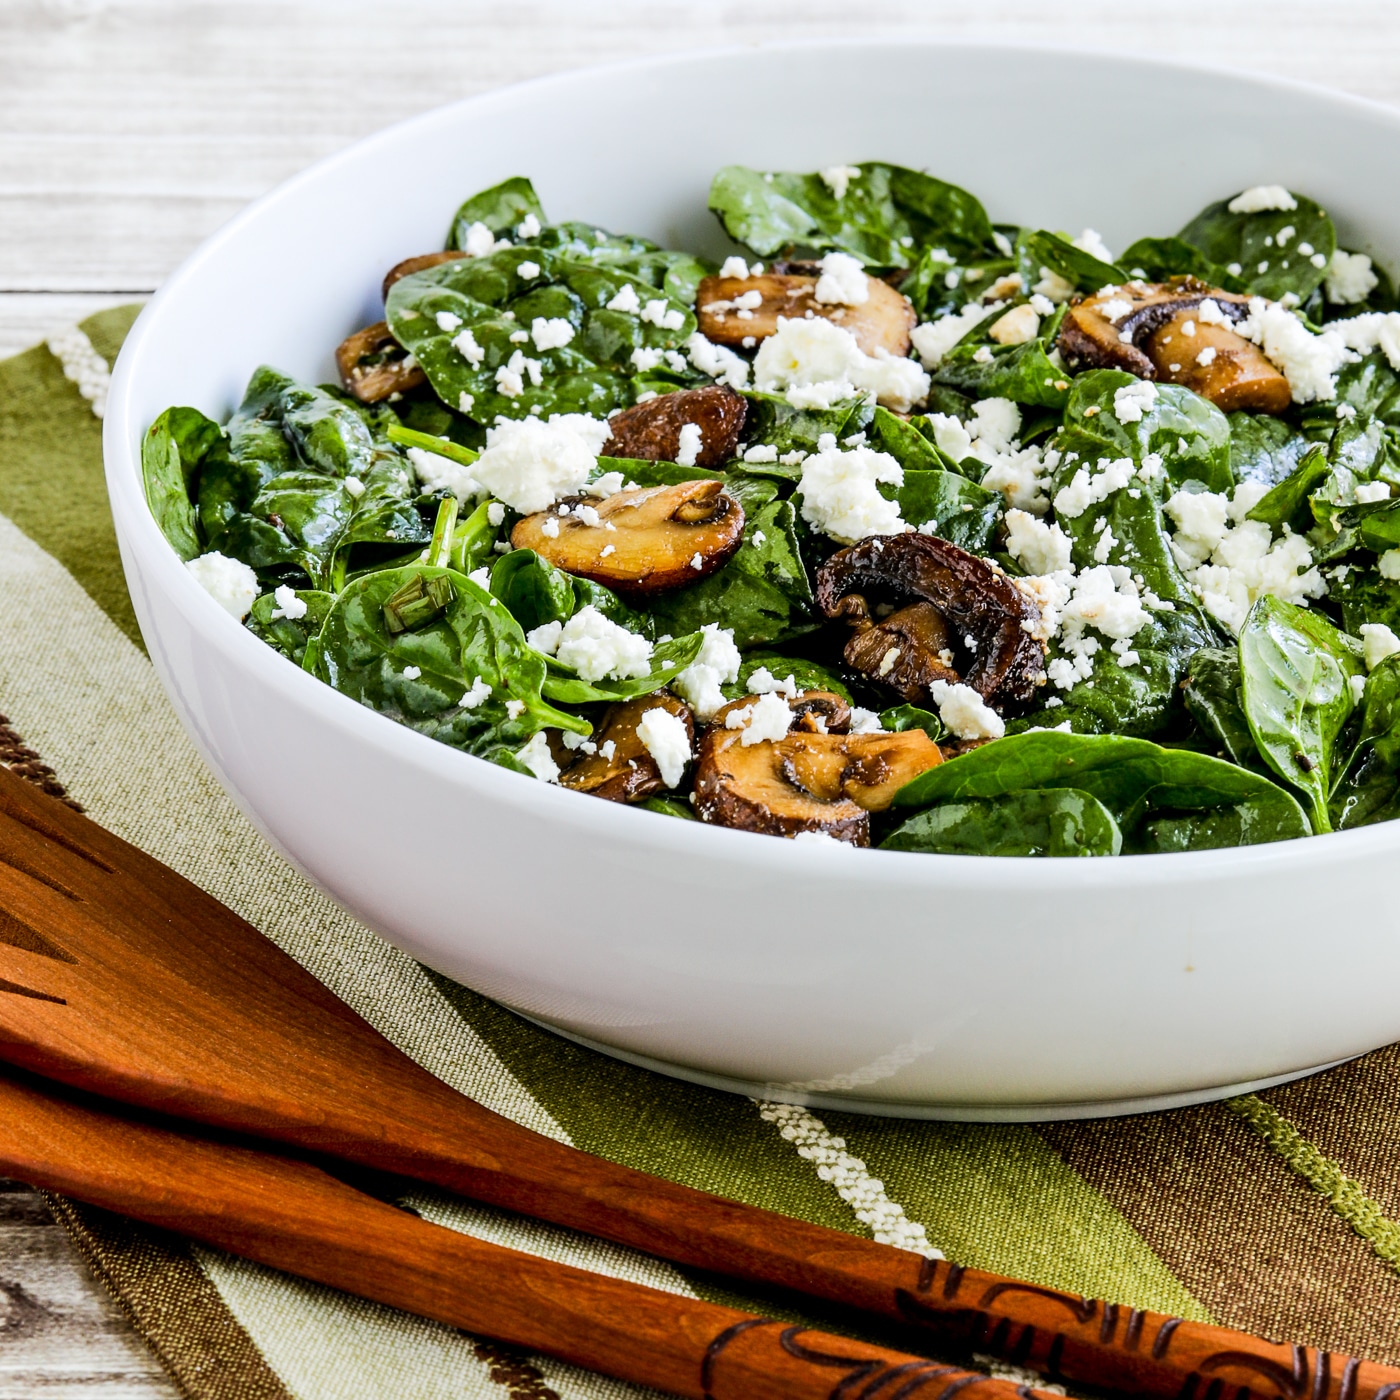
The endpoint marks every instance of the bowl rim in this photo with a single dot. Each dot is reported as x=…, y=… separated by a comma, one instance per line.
x=138, y=530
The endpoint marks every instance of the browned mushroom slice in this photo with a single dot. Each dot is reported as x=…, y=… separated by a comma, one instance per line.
x=374, y=366
x=732, y=310
x=621, y=769
x=806, y=782
x=1138, y=327
x=411, y=265
x=1217, y=364
x=981, y=610
x=651, y=431
x=640, y=541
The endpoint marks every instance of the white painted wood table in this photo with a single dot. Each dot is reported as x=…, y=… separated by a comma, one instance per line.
x=129, y=132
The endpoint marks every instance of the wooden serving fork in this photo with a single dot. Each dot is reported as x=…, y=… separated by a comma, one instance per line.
x=121, y=978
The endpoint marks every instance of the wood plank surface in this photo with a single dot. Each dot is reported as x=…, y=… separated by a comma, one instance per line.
x=130, y=131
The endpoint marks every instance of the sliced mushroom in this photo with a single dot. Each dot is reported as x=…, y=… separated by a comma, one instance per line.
x=620, y=768
x=735, y=310
x=640, y=541
x=651, y=431
x=1147, y=338
x=985, y=619
x=411, y=265
x=1217, y=364
x=374, y=366
x=805, y=781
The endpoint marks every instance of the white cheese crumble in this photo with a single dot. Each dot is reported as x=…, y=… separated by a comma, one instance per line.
x=479, y=693
x=718, y=361
x=820, y=838
x=528, y=269
x=229, y=582
x=1105, y=598
x=1087, y=488
x=842, y=282
x=1389, y=564
x=1260, y=198
x=1230, y=561
x=599, y=649
x=411, y=673
x=465, y=345
x=480, y=241
x=816, y=363
x=529, y=464
x=1115, y=308
x=1378, y=642
x=538, y=759
x=481, y=577
x=1206, y=356
x=545, y=637
x=716, y=664
x=1090, y=242
x=837, y=178
x=626, y=300
x=288, y=604
x=665, y=738
x=690, y=444
x=1309, y=362
x=528, y=227
x=964, y=711
x=764, y=682
x=551, y=334
x=448, y=321
x=1038, y=548
x=935, y=339
x=1016, y=327
x=768, y=718
x=734, y=266
x=659, y=312
x=1350, y=277
x=355, y=486
x=1133, y=400
x=840, y=492
x=1369, y=491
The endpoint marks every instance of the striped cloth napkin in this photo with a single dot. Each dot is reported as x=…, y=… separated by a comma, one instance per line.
x=1275, y=1212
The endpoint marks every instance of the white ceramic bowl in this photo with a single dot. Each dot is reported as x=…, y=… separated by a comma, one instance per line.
x=937, y=986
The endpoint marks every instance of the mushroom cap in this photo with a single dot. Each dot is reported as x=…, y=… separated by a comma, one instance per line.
x=373, y=365
x=908, y=650
x=975, y=600
x=651, y=431
x=1235, y=376
x=882, y=322
x=630, y=774
x=647, y=539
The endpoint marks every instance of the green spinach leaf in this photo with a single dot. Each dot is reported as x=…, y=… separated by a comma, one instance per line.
x=501, y=209
x=1250, y=242
x=905, y=717
x=1156, y=259
x=1032, y=822
x=1214, y=696
x=1039, y=251
x=806, y=675
x=668, y=660
x=1264, y=448
x=171, y=453
x=291, y=636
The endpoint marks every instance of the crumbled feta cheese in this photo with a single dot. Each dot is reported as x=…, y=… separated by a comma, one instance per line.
x=515, y=708
x=659, y=312
x=481, y=577
x=550, y=528
x=529, y=464
x=865, y=721
x=288, y=604
x=646, y=358
x=934, y=339
x=528, y=269
x=665, y=737
x=1259, y=198
x=964, y=711
x=817, y=363
x=718, y=361
x=448, y=321
x=609, y=484
x=716, y=664
x=1053, y=287
x=355, y=486
x=479, y=693
x=1378, y=642
x=1309, y=362
x=626, y=300
x=465, y=345
x=528, y=227
x=1389, y=564
x=982, y=355
x=411, y=673
x=994, y=425
x=551, y=334
x=950, y=435
x=690, y=445
x=837, y=178
x=764, y=682
x=229, y=582
x=842, y=282
x=1369, y=491
x=1133, y=400
x=734, y=266
x=479, y=241
x=840, y=492
x=1037, y=547
x=1206, y=356
x=545, y=637
x=1115, y=308
x=1090, y=242
x=538, y=759
x=1088, y=488
x=1350, y=277
x=600, y=649
x=1231, y=561
x=821, y=838
x=768, y=718
x=761, y=452
x=1016, y=327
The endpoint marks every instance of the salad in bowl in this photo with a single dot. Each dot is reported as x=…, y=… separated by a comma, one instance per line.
x=897, y=527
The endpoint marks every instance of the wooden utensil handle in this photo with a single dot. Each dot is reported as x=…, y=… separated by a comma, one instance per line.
x=293, y=1216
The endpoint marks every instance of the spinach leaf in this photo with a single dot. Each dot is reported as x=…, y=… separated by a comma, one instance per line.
x=1250, y=241
x=1368, y=385
x=1370, y=789
x=1213, y=694
x=474, y=540
x=637, y=259
x=904, y=717
x=1024, y=373
x=471, y=640
x=886, y=215
x=952, y=507
x=763, y=593
x=806, y=675
x=1380, y=714
x=1287, y=502
x=501, y=208
x=1131, y=777
x=458, y=320
x=773, y=422
x=1032, y=822
x=171, y=452
x=668, y=807
x=535, y=592
x=668, y=660
x=1188, y=433
x=1295, y=670
x=1039, y=251
x=291, y=636
x=1156, y=259
x=1264, y=448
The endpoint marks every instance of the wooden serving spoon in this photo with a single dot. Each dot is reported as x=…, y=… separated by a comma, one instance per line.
x=294, y=1216
x=120, y=977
